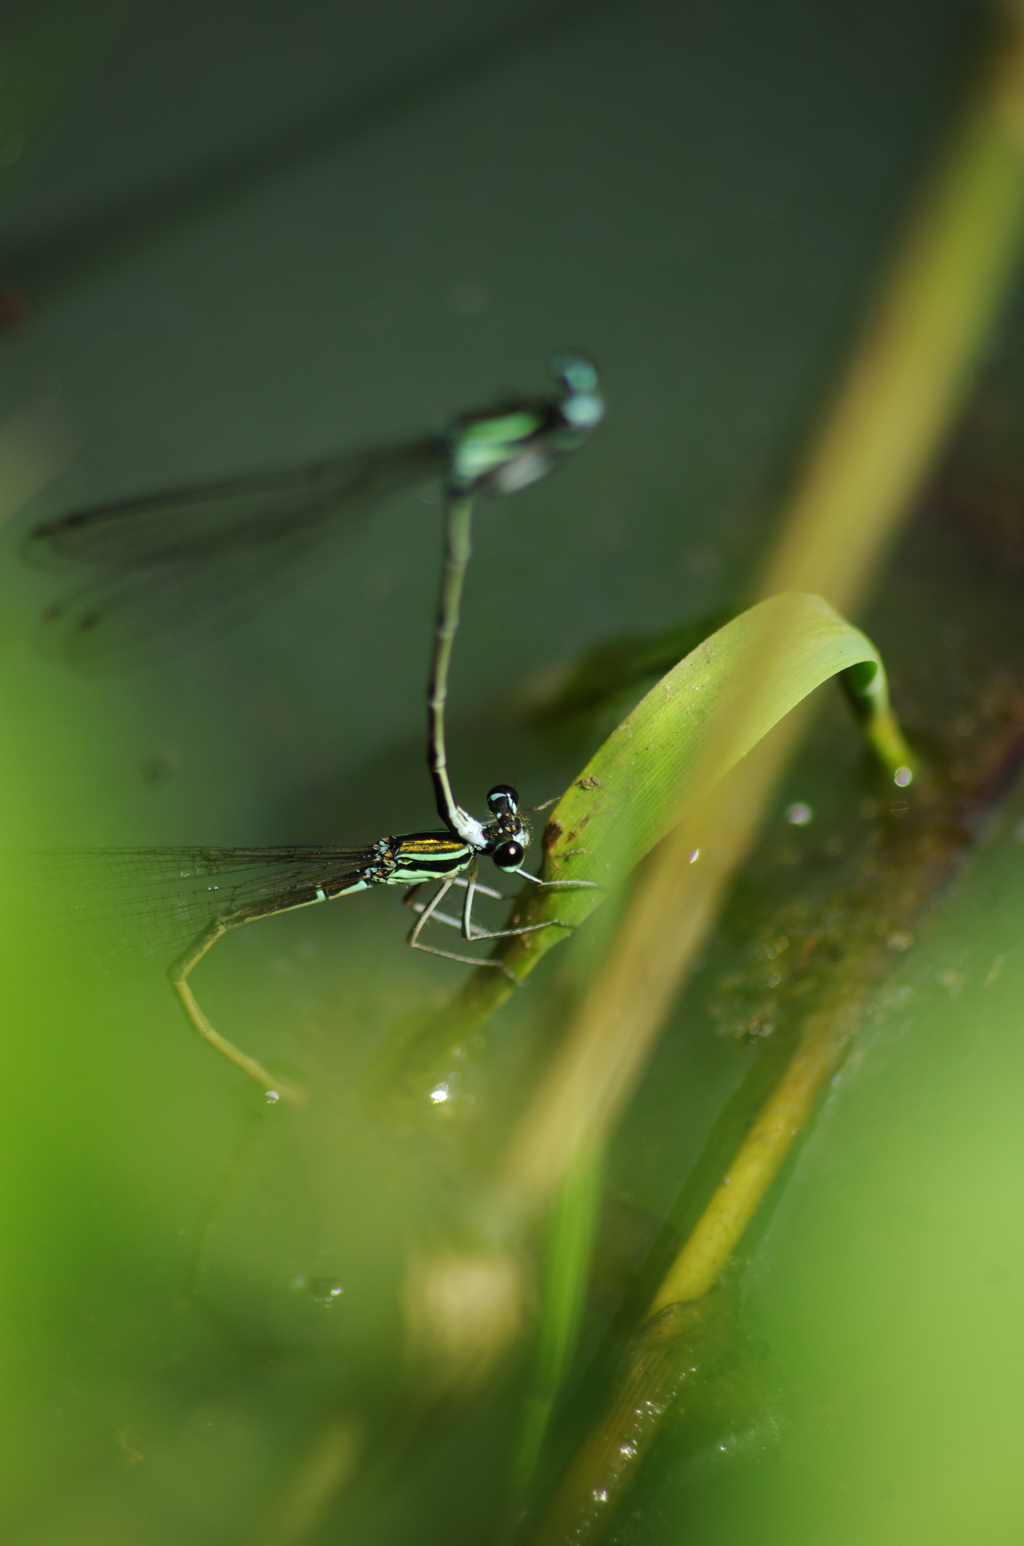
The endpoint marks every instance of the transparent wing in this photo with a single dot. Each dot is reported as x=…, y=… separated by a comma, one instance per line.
x=186, y=561
x=192, y=524
x=137, y=616
x=105, y=902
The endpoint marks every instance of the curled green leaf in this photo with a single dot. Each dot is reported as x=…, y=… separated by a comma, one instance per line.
x=678, y=743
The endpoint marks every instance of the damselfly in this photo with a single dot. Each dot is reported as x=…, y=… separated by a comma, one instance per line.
x=504, y=451
x=178, y=564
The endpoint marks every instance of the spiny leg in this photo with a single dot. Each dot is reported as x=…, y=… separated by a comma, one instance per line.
x=178, y=973
x=428, y=911
x=467, y=903
x=410, y=900
x=552, y=885
x=469, y=932
x=437, y=917
x=498, y=896
x=431, y=910
x=527, y=928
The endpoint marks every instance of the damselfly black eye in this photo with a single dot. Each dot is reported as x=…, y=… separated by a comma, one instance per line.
x=509, y=856
x=503, y=798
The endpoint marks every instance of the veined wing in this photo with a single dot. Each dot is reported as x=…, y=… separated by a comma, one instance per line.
x=146, y=901
x=185, y=561
x=192, y=523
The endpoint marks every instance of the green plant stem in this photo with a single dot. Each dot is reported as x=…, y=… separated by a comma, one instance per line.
x=932, y=316
x=658, y=1373
x=569, y=1236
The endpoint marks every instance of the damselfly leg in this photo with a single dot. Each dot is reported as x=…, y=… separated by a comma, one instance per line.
x=430, y=911
x=412, y=899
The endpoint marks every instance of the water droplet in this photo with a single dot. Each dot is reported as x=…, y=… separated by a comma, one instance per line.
x=902, y=777
x=798, y=814
x=326, y=1290
x=439, y=1094
x=273, y=1096
x=694, y=856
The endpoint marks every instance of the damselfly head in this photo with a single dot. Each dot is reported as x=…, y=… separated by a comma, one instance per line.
x=502, y=800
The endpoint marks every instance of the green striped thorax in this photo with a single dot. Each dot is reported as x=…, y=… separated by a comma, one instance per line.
x=415, y=857
x=506, y=450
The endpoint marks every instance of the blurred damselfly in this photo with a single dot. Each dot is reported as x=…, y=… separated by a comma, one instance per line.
x=174, y=566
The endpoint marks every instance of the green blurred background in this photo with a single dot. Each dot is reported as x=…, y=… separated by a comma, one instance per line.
x=252, y=234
